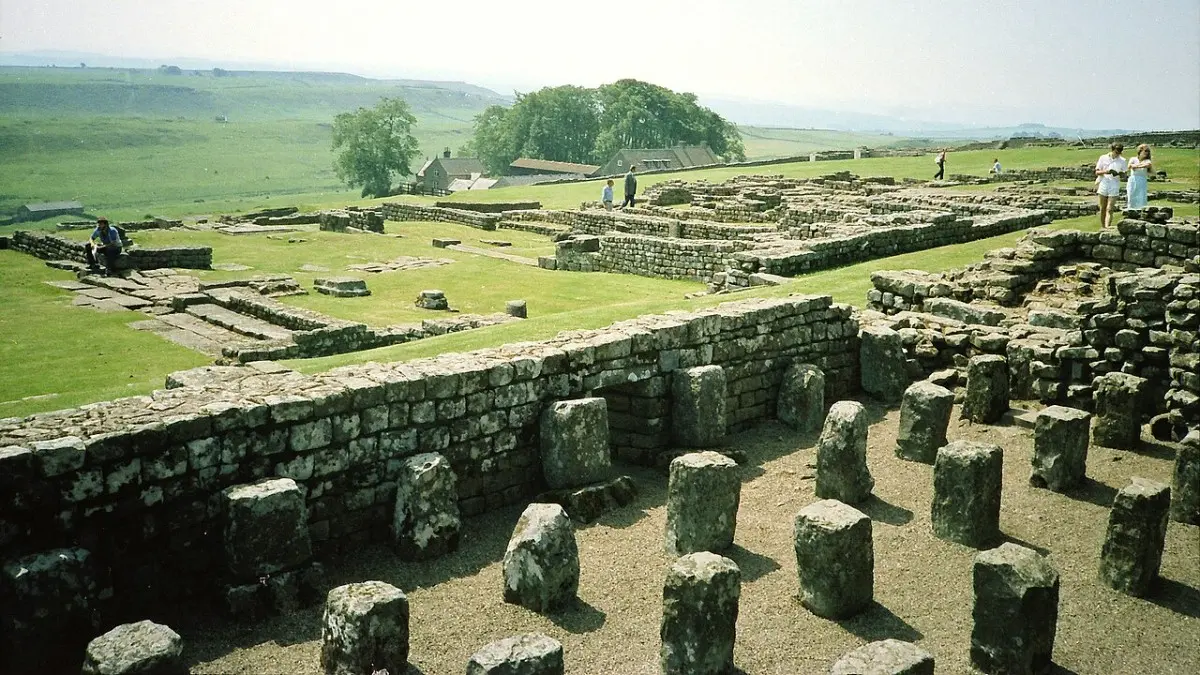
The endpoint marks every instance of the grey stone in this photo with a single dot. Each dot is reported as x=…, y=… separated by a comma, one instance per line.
x=364, y=629
x=1137, y=531
x=702, y=503
x=700, y=610
x=59, y=456
x=426, y=521
x=801, y=403
x=266, y=528
x=842, y=472
x=1118, y=404
x=966, y=493
x=589, y=502
x=574, y=442
x=516, y=308
x=432, y=299
x=882, y=360
x=885, y=657
x=924, y=418
x=962, y=311
x=1015, y=612
x=987, y=389
x=1060, y=447
x=50, y=603
x=142, y=648
x=541, y=563
x=698, y=407
x=835, y=559
x=1185, y=486
x=529, y=654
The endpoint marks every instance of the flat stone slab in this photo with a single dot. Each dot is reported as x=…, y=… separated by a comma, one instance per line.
x=401, y=264
x=240, y=323
x=445, y=243
x=231, y=267
x=68, y=285
x=588, y=503
x=494, y=254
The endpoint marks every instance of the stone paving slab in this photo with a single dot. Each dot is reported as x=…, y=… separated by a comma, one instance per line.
x=68, y=285
x=240, y=323
x=494, y=254
x=184, y=338
x=99, y=304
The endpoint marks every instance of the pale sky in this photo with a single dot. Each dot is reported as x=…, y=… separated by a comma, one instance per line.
x=1086, y=63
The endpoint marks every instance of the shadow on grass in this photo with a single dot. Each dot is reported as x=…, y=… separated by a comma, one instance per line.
x=880, y=623
x=1177, y=597
x=578, y=617
x=753, y=565
x=1093, y=492
x=884, y=512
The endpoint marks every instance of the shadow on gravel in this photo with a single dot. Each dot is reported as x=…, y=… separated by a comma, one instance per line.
x=579, y=617
x=753, y=565
x=884, y=512
x=880, y=623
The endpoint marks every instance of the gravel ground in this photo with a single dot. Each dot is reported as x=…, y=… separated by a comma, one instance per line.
x=922, y=584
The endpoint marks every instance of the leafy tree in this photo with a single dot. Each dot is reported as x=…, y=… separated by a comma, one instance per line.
x=376, y=143
x=492, y=143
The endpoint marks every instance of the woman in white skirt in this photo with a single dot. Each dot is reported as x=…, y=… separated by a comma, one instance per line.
x=1109, y=168
x=1139, y=177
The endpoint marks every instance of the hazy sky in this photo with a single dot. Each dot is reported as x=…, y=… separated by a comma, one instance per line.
x=1090, y=63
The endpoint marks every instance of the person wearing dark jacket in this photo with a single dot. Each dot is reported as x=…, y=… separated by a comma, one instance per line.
x=630, y=187
x=106, y=240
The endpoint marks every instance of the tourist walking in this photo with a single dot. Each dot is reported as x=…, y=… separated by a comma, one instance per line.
x=105, y=240
x=606, y=195
x=1109, y=168
x=630, y=186
x=1139, y=177
x=941, y=162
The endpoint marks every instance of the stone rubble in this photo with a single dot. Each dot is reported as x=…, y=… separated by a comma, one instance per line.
x=541, y=563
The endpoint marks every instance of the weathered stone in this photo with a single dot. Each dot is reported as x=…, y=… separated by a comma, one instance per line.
x=963, y=311
x=1137, y=531
x=574, y=442
x=541, y=563
x=364, y=629
x=702, y=503
x=266, y=528
x=50, y=602
x=589, y=502
x=1060, y=447
x=924, y=418
x=1015, y=612
x=529, y=654
x=698, y=407
x=1185, y=487
x=700, y=609
x=885, y=657
x=987, y=389
x=842, y=472
x=835, y=559
x=426, y=523
x=801, y=403
x=516, y=308
x=432, y=299
x=966, y=493
x=1118, y=406
x=882, y=360
x=142, y=648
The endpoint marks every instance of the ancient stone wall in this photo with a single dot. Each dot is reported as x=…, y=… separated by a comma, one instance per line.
x=664, y=258
x=401, y=211
x=370, y=220
x=489, y=207
x=52, y=247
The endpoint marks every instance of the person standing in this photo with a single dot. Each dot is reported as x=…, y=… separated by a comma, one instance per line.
x=941, y=162
x=996, y=167
x=105, y=239
x=1139, y=178
x=630, y=186
x=1109, y=168
x=606, y=195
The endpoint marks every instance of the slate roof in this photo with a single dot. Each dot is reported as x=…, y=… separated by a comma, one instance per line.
x=649, y=159
x=54, y=206
x=550, y=166
x=454, y=166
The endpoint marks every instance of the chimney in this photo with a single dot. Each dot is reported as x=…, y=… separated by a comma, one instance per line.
x=446, y=153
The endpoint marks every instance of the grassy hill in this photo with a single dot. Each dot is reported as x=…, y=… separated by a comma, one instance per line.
x=770, y=142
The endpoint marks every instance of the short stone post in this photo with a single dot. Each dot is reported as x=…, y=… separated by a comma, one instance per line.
x=886, y=657
x=883, y=365
x=574, y=442
x=1118, y=403
x=698, y=407
x=1137, y=531
x=266, y=528
x=924, y=418
x=702, y=503
x=1060, y=447
x=801, y=403
x=142, y=648
x=987, y=389
x=529, y=654
x=700, y=610
x=541, y=563
x=516, y=308
x=842, y=472
x=835, y=559
x=1015, y=612
x=966, y=493
x=364, y=629
x=1185, y=488
x=425, y=523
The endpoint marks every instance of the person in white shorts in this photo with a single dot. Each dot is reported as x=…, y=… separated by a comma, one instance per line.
x=1109, y=168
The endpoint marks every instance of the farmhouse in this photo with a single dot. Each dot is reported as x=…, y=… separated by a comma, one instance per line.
x=48, y=209
x=525, y=166
x=440, y=172
x=656, y=159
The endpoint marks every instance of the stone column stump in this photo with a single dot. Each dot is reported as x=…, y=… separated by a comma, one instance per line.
x=1185, y=486
x=886, y=657
x=698, y=407
x=541, y=563
x=966, y=493
x=266, y=528
x=835, y=559
x=516, y=308
x=842, y=472
x=142, y=648
x=702, y=503
x=529, y=654
x=924, y=418
x=700, y=610
x=1015, y=612
x=574, y=442
x=987, y=389
x=425, y=523
x=1060, y=447
x=50, y=601
x=364, y=629
x=1137, y=531
x=883, y=365
x=801, y=403
x=1118, y=402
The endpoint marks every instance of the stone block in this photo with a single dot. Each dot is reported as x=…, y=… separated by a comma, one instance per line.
x=698, y=406
x=529, y=654
x=801, y=403
x=59, y=456
x=266, y=528
x=574, y=442
x=425, y=521
x=702, y=502
x=1060, y=447
x=842, y=472
x=142, y=648
x=882, y=363
x=987, y=389
x=1015, y=612
x=885, y=657
x=50, y=602
x=432, y=299
x=966, y=493
x=364, y=629
x=1117, y=399
x=341, y=287
x=588, y=503
x=516, y=308
x=699, y=619
x=1137, y=531
x=835, y=559
x=541, y=562
x=1185, y=486
x=924, y=418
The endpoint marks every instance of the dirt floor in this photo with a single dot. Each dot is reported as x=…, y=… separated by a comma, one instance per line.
x=922, y=584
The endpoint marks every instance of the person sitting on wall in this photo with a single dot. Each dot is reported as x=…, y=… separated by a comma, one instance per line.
x=105, y=239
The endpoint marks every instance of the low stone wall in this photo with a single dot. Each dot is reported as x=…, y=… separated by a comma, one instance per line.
x=52, y=247
x=370, y=220
x=401, y=211
x=489, y=207
x=664, y=258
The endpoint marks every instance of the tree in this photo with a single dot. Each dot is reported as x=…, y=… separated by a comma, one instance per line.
x=492, y=143
x=376, y=144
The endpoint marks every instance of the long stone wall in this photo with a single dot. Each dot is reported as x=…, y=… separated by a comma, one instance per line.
x=401, y=211
x=664, y=258
x=52, y=247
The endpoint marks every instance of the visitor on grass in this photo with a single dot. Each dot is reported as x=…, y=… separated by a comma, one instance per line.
x=941, y=162
x=106, y=240
x=630, y=186
x=996, y=167
x=1109, y=168
x=1139, y=177
x=606, y=195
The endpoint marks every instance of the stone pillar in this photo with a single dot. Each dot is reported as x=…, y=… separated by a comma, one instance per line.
x=835, y=559
x=886, y=657
x=924, y=418
x=801, y=403
x=1060, y=446
x=700, y=609
x=883, y=365
x=987, y=389
x=574, y=443
x=1118, y=421
x=529, y=654
x=50, y=606
x=1185, y=490
x=425, y=522
x=698, y=407
x=364, y=629
x=266, y=528
x=516, y=308
x=702, y=502
x=142, y=648
x=966, y=493
x=842, y=472
x=541, y=563
x=1137, y=531
x=1015, y=612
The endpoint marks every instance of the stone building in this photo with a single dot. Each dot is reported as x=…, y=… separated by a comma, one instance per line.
x=658, y=159
x=440, y=172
